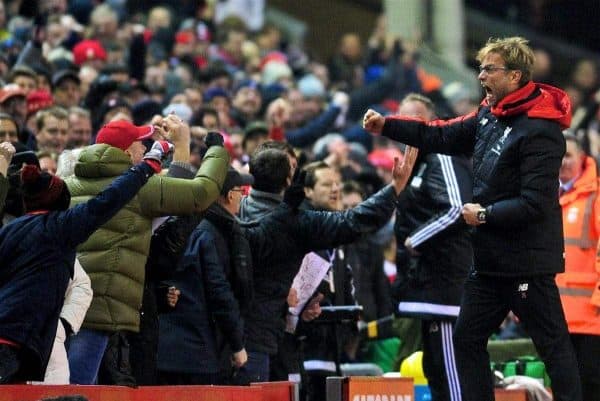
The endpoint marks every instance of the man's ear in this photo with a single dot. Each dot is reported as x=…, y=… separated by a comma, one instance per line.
x=517, y=74
x=308, y=192
x=128, y=153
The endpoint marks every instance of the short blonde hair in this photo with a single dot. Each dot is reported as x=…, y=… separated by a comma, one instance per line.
x=516, y=54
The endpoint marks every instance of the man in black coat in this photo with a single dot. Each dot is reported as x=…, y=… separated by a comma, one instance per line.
x=214, y=275
x=434, y=253
x=307, y=231
x=323, y=343
x=517, y=146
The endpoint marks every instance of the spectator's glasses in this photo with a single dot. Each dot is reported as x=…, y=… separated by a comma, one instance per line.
x=489, y=69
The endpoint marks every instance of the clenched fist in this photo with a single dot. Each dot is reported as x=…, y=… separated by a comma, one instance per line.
x=373, y=122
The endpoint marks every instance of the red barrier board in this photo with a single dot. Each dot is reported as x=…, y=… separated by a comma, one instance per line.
x=363, y=388
x=276, y=391
x=511, y=395
x=117, y=393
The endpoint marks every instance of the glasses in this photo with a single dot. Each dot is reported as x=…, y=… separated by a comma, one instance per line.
x=490, y=69
x=8, y=133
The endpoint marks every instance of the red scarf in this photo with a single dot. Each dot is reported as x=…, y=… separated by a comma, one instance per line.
x=537, y=101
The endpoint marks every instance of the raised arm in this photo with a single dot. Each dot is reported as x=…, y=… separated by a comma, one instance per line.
x=453, y=137
x=329, y=229
x=80, y=221
x=170, y=196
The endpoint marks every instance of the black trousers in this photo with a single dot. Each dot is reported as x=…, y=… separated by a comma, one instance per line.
x=587, y=349
x=536, y=302
x=115, y=368
x=439, y=363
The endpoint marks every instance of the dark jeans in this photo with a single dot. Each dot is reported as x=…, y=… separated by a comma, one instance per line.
x=85, y=351
x=536, y=302
x=587, y=349
x=256, y=370
x=9, y=364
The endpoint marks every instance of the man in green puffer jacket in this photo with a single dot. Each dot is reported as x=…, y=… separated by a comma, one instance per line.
x=115, y=255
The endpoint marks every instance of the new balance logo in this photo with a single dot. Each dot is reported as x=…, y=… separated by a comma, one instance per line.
x=523, y=290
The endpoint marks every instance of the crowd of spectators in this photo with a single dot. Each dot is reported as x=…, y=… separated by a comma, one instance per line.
x=70, y=70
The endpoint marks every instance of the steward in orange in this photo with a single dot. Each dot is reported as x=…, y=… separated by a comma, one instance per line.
x=579, y=284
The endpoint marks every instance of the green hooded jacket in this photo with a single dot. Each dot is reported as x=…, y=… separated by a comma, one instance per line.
x=115, y=255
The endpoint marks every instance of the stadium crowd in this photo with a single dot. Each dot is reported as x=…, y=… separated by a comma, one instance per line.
x=187, y=274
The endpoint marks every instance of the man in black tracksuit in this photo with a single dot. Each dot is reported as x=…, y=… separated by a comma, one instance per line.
x=517, y=145
x=434, y=253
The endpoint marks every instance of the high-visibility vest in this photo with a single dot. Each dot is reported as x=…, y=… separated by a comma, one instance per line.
x=578, y=286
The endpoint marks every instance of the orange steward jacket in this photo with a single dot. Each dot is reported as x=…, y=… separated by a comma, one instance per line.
x=579, y=284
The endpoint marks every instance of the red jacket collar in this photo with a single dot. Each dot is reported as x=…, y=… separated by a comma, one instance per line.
x=538, y=101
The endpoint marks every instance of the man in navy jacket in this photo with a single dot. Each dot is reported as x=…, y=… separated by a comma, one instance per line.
x=517, y=146
x=37, y=254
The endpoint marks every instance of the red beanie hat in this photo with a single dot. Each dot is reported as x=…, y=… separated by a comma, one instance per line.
x=43, y=191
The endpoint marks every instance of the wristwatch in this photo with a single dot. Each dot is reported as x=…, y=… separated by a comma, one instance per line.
x=482, y=215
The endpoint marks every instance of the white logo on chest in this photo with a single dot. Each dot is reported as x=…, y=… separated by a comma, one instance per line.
x=498, y=146
x=506, y=132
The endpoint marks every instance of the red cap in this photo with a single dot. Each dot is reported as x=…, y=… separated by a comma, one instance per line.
x=9, y=91
x=384, y=158
x=37, y=100
x=184, y=37
x=88, y=50
x=121, y=134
